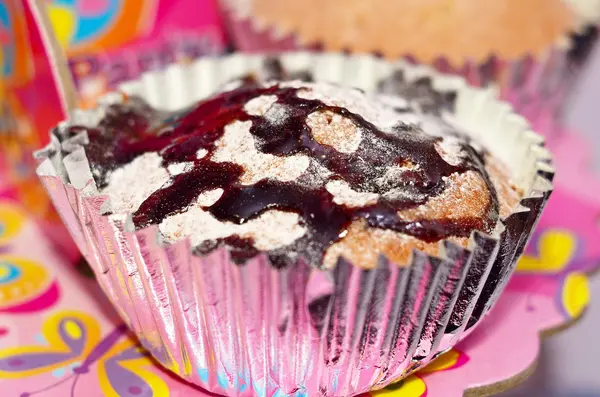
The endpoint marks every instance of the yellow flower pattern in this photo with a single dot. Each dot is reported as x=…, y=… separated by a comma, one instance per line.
x=414, y=386
x=557, y=250
x=11, y=221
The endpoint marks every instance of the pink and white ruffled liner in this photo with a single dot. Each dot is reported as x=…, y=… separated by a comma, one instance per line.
x=247, y=330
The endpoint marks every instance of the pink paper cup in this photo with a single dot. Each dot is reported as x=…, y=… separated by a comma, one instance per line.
x=253, y=330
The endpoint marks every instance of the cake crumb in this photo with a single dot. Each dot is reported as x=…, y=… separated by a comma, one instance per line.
x=465, y=197
x=362, y=246
x=332, y=129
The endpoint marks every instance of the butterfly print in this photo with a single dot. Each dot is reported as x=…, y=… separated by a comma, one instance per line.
x=74, y=340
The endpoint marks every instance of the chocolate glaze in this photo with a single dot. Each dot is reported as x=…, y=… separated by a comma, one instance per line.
x=133, y=128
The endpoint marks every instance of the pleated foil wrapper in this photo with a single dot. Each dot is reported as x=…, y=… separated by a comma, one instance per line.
x=252, y=330
x=537, y=85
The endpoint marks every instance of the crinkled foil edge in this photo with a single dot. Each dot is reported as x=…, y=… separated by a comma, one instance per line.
x=247, y=330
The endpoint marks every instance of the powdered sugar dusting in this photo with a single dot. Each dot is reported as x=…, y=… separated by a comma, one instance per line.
x=394, y=101
x=258, y=106
x=208, y=198
x=384, y=111
x=271, y=230
x=179, y=168
x=396, y=173
x=450, y=150
x=276, y=114
x=369, y=107
x=344, y=195
x=237, y=146
x=201, y=153
x=133, y=183
x=283, y=229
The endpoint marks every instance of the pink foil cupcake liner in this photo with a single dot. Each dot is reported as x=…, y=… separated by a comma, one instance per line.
x=537, y=87
x=253, y=330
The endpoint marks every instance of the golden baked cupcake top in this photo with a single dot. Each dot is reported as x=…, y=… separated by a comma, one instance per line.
x=458, y=30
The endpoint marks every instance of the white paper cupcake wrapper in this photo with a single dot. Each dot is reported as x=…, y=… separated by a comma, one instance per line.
x=253, y=330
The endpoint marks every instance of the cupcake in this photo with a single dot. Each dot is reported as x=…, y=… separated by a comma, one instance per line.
x=290, y=235
x=523, y=47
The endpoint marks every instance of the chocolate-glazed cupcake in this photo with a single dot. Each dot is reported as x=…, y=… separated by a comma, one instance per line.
x=300, y=170
x=299, y=237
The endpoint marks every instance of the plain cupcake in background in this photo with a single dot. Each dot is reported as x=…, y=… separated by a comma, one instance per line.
x=531, y=50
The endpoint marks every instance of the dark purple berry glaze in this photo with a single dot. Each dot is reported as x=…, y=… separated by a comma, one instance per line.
x=133, y=128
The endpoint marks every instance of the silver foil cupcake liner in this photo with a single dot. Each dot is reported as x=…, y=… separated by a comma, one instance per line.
x=253, y=330
x=538, y=86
